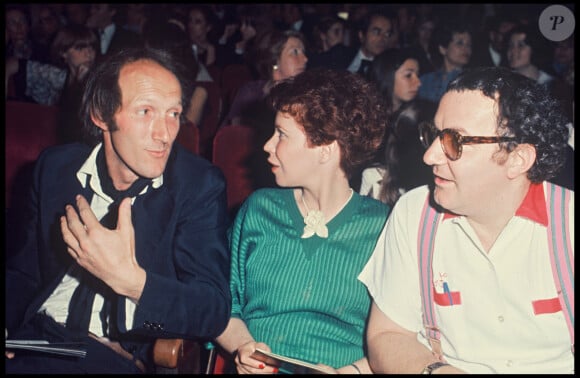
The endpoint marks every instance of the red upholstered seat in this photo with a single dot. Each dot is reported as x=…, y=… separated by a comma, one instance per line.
x=29, y=128
x=232, y=147
x=211, y=117
x=188, y=137
x=232, y=78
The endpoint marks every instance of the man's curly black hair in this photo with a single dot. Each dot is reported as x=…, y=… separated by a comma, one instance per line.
x=527, y=112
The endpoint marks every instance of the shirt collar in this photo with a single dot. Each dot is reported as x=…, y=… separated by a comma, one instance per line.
x=361, y=55
x=532, y=207
x=87, y=174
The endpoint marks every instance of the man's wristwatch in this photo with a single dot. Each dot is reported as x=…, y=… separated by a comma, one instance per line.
x=435, y=365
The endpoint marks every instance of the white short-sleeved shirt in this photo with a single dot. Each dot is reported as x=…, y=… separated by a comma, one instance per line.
x=493, y=329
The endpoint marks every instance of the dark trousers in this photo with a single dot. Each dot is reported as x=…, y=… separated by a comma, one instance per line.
x=100, y=359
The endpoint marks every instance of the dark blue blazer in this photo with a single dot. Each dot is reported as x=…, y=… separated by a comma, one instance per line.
x=339, y=57
x=180, y=240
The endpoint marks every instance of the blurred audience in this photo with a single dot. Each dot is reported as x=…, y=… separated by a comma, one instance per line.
x=376, y=32
x=72, y=56
x=398, y=163
x=421, y=45
x=19, y=42
x=490, y=50
x=61, y=82
x=277, y=56
x=328, y=38
x=75, y=13
x=453, y=43
x=199, y=24
x=112, y=36
x=44, y=29
x=163, y=34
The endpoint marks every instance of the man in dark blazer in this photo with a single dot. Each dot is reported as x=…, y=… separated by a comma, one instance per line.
x=376, y=32
x=112, y=36
x=161, y=270
x=491, y=51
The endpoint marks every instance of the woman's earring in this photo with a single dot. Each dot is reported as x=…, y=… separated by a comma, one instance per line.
x=275, y=67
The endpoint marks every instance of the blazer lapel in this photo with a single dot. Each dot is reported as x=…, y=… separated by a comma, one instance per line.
x=151, y=217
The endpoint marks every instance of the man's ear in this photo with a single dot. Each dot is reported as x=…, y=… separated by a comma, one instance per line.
x=521, y=159
x=99, y=122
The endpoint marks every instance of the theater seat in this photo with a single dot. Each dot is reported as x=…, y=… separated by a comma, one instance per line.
x=232, y=146
x=30, y=128
x=233, y=77
x=211, y=118
x=188, y=137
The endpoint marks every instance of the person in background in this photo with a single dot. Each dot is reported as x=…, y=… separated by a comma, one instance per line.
x=75, y=13
x=136, y=16
x=329, y=38
x=239, y=33
x=496, y=138
x=119, y=250
x=376, y=33
x=19, y=42
x=398, y=165
x=421, y=45
x=563, y=59
x=199, y=25
x=492, y=50
x=528, y=55
x=296, y=250
x=159, y=33
x=43, y=31
x=453, y=41
x=406, y=19
x=277, y=56
x=73, y=54
x=112, y=36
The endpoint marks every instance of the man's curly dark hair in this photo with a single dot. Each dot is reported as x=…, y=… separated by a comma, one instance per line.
x=527, y=112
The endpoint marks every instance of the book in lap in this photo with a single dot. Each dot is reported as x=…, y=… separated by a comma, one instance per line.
x=288, y=365
x=62, y=348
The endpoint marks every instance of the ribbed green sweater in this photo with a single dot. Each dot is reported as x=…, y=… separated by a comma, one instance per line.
x=302, y=296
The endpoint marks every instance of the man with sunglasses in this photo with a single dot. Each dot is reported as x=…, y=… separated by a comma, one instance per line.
x=472, y=290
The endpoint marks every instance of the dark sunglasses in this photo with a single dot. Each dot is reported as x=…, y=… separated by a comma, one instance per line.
x=451, y=141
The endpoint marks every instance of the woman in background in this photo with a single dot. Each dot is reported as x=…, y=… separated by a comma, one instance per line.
x=398, y=165
x=61, y=83
x=276, y=55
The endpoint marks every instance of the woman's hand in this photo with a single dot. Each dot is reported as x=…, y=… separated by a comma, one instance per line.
x=245, y=364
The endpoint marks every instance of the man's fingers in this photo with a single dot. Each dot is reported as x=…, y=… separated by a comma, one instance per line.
x=68, y=237
x=124, y=220
x=73, y=223
x=87, y=216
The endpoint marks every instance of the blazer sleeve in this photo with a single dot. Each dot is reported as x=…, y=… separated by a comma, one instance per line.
x=181, y=242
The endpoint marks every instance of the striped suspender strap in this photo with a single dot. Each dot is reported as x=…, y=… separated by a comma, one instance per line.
x=428, y=227
x=561, y=252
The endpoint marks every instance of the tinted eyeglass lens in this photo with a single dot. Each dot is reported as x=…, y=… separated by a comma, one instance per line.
x=450, y=144
x=426, y=134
